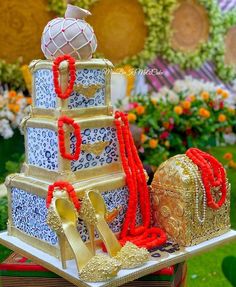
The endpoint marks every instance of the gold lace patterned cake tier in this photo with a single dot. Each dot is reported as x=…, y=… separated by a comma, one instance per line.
x=178, y=203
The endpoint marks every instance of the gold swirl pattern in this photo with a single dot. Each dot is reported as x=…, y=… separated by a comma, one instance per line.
x=96, y=148
x=21, y=25
x=190, y=26
x=174, y=199
x=87, y=91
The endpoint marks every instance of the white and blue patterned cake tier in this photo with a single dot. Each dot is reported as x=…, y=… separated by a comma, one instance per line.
x=29, y=213
x=42, y=148
x=46, y=98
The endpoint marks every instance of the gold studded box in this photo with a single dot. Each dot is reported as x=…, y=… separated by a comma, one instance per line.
x=90, y=96
x=99, y=149
x=178, y=205
x=28, y=213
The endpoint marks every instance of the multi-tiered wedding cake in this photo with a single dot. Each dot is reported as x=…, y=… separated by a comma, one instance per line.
x=78, y=153
x=98, y=164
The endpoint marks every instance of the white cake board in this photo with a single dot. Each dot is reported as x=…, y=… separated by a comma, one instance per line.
x=124, y=276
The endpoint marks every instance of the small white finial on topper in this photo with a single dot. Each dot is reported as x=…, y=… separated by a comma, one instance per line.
x=70, y=35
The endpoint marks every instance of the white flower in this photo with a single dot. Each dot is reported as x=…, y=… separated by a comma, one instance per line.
x=5, y=129
x=173, y=97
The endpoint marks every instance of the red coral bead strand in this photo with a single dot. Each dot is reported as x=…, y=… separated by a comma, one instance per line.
x=61, y=138
x=62, y=185
x=212, y=173
x=142, y=236
x=56, y=74
x=128, y=174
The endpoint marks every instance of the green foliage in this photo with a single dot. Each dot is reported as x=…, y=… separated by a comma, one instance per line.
x=11, y=155
x=11, y=75
x=3, y=213
x=206, y=50
x=225, y=72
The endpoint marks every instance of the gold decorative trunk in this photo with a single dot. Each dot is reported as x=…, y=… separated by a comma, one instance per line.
x=176, y=189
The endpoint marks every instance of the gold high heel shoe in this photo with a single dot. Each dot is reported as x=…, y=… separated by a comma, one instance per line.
x=62, y=218
x=93, y=212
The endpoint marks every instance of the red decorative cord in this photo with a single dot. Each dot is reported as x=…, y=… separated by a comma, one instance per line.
x=143, y=235
x=61, y=138
x=56, y=72
x=212, y=173
x=63, y=185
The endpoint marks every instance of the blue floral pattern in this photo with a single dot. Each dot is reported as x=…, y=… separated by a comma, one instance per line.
x=88, y=77
x=42, y=149
x=46, y=98
x=90, y=136
x=29, y=213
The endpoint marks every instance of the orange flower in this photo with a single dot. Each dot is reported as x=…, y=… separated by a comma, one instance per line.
x=222, y=118
x=219, y=91
x=232, y=164
x=143, y=138
x=228, y=156
x=29, y=100
x=140, y=110
x=225, y=94
x=205, y=96
x=132, y=117
x=204, y=113
x=153, y=143
x=192, y=98
x=14, y=108
x=19, y=97
x=186, y=105
x=178, y=110
x=166, y=125
x=12, y=94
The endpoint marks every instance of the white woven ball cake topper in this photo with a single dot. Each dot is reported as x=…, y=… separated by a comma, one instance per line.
x=71, y=35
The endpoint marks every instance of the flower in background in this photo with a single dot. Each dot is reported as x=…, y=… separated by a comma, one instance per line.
x=166, y=125
x=219, y=91
x=225, y=95
x=186, y=105
x=167, y=144
x=181, y=119
x=232, y=164
x=12, y=110
x=178, y=110
x=143, y=138
x=132, y=105
x=228, y=156
x=154, y=101
x=164, y=135
x=192, y=98
x=222, y=118
x=204, y=113
x=131, y=117
x=205, y=96
x=140, y=110
x=153, y=143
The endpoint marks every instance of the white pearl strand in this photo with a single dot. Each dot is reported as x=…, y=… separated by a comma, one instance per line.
x=195, y=175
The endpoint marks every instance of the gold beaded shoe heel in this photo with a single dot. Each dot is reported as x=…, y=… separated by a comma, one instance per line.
x=62, y=218
x=93, y=212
